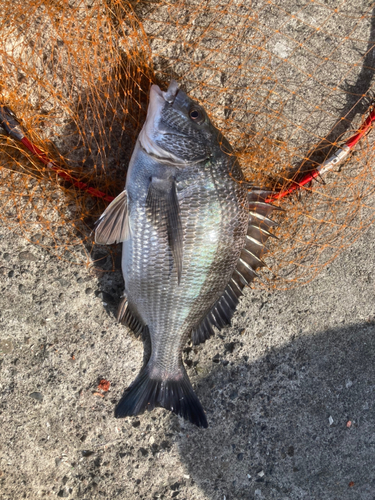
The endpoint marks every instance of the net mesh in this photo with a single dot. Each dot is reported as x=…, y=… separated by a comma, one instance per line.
x=286, y=83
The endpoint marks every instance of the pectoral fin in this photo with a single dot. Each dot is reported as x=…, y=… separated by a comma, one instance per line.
x=162, y=201
x=113, y=225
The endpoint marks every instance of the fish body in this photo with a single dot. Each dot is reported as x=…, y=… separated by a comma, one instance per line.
x=183, y=219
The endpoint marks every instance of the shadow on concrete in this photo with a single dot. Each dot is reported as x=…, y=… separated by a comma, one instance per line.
x=279, y=426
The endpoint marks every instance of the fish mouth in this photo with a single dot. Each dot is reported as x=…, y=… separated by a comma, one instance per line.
x=169, y=95
x=153, y=130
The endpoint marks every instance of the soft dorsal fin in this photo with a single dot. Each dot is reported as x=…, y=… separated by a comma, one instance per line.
x=113, y=224
x=249, y=261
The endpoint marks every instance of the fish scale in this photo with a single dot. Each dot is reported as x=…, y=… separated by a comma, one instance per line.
x=184, y=220
x=148, y=275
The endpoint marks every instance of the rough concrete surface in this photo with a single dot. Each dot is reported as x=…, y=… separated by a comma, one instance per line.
x=279, y=388
x=288, y=389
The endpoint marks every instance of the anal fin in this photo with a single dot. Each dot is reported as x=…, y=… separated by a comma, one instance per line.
x=219, y=316
x=127, y=317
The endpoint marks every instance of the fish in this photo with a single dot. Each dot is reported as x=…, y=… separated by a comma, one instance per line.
x=193, y=235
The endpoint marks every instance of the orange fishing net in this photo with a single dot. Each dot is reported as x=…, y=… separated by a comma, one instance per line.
x=287, y=82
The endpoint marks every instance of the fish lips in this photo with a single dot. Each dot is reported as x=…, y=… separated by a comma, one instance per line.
x=171, y=92
x=173, y=96
x=158, y=98
x=152, y=132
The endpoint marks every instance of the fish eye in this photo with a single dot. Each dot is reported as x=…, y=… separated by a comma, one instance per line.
x=196, y=115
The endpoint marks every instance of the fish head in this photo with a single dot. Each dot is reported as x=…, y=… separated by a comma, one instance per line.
x=177, y=128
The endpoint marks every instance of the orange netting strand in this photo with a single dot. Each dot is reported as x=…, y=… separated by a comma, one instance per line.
x=337, y=158
x=284, y=87
x=12, y=127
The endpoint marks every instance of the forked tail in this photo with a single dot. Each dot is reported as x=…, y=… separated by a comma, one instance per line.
x=175, y=395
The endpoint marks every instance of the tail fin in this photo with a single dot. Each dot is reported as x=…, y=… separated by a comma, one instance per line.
x=174, y=395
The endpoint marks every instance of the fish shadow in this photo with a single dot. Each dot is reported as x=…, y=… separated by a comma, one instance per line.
x=111, y=287
x=296, y=423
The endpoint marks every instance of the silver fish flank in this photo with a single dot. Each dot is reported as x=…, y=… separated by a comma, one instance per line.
x=193, y=236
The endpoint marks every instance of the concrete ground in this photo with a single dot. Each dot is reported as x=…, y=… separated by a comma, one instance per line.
x=288, y=389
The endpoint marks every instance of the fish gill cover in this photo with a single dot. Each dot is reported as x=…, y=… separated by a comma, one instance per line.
x=283, y=88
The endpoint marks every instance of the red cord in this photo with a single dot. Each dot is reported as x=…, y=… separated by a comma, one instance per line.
x=350, y=143
x=362, y=131
x=63, y=173
x=296, y=185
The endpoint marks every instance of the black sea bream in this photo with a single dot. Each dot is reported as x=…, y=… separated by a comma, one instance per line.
x=192, y=236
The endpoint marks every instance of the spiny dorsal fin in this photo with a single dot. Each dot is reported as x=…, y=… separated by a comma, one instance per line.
x=113, y=224
x=258, y=232
x=163, y=203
